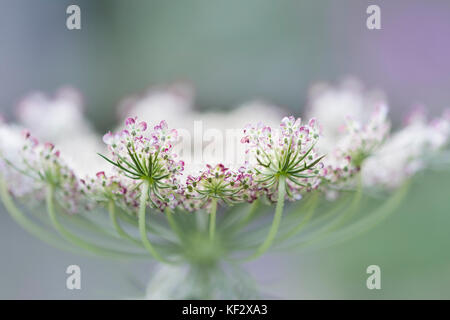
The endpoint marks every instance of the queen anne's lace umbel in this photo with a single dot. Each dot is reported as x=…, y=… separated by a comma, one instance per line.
x=139, y=154
x=289, y=152
x=143, y=155
x=142, y=172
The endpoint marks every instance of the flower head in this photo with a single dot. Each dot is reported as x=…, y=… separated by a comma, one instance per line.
x=335, y=105
x=143, y=155
x=11, y=141
x=289, y=152
x=407, y=151
x=43, y=164
x=359, y=142
x=53, y=117
x=221, y=183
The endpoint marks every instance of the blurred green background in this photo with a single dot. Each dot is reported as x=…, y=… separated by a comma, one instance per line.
x=234, y=51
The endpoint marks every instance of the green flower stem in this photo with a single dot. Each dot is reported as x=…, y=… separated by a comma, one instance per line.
x=371, y=220
x=27, y=224
x=86, y=223
x=276, y=220
x=142, y=223
x=201, y=220
x=212, y=219
x=126, y=217
x=251, y=213
x=173, y=224
x=332, y=222
x=73, y=238
x=353, y=206
x=311, y=208
x=380, y=213
x=119, y=229
x=156, y=229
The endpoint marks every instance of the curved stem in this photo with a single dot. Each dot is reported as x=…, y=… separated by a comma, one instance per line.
x=276, y=220
x=353, y=206
x=25, y=223
x=73, y=238
x=142, y=224
x=251, y=213
x=119, y=229
x=365, y=224
x=309, y=213
x=212, y=219
x=338, y=221
x=376, y=216
x=173, y=224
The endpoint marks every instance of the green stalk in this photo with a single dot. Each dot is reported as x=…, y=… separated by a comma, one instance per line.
x=25, y=223
x=142, y=224
x=73, y=238
x=251, y=213
x=119, y=229
x=156, y=229
x=353, y=206
x=212, y=219
x=371, y=220
x=322, y=230
x=276, y=220
x=311, y=206
x=173, y=224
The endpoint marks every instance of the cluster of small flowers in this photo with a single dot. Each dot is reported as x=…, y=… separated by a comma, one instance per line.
x=407, y=151
x=221, y=183
x=11, y=140
x=53, y=117
x=42, y=163
x=360, y=141
x=60, y=118
x=140, y=154
x=289, y=152
x=355, y=143
x=103, y=188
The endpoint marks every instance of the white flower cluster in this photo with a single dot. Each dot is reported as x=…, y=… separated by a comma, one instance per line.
x=351, y=137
